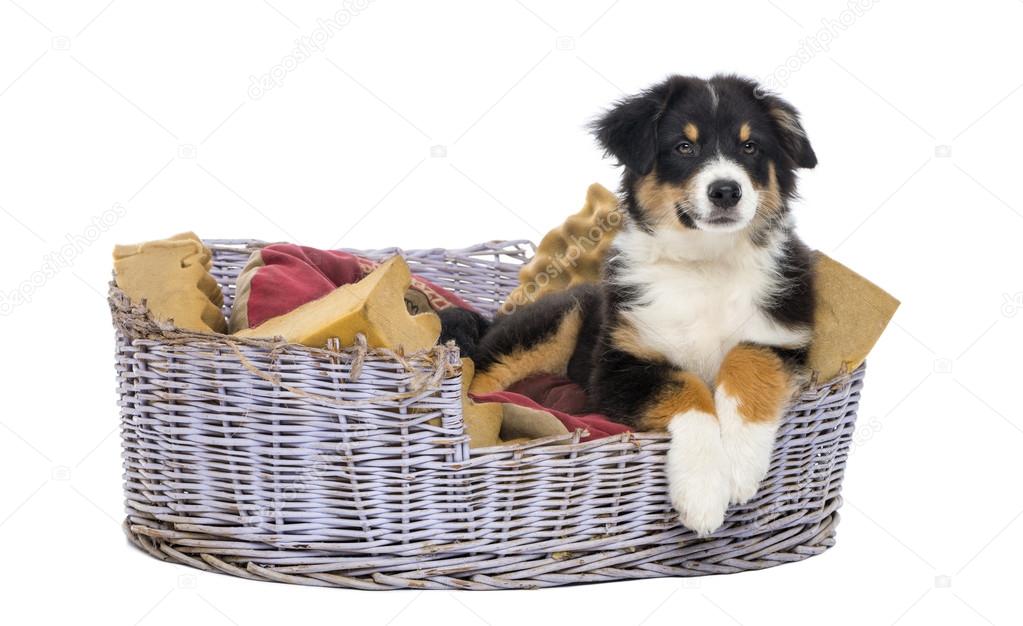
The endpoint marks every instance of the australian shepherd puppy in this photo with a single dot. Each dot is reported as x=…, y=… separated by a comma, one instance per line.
x=702, y=323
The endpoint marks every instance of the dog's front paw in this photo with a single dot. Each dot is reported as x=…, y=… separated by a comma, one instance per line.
x=698, y=482
x=745, y=481
x=747, y=446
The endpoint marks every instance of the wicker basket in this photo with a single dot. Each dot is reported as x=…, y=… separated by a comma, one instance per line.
x=329, y=467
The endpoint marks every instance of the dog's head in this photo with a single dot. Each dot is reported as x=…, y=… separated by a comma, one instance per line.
x=715, y=155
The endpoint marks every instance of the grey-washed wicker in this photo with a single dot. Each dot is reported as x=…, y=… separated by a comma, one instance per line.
x=327, y=467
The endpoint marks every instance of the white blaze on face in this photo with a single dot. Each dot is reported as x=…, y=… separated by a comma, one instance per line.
x=724, y=169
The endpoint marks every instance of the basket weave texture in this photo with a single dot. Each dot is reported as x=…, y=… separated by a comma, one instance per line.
x=351, y=468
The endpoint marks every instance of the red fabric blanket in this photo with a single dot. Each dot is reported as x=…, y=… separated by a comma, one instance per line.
x=560, y=397
x=292, y=275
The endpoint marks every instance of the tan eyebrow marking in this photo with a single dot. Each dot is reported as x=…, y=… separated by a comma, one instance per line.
x=691, y=131
x=744, y=132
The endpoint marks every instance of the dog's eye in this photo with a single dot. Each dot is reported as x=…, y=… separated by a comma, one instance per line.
x=749, y=147
x=686, y=149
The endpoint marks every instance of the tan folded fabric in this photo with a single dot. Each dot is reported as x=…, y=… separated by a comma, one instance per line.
x=373, y=306
x=172, y=277
x=482, y=420
x=523, y=422
x=851, y=314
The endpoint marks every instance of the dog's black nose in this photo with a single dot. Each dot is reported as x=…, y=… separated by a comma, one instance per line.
x=724, y=194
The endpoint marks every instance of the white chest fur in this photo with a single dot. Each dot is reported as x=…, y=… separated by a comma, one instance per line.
x=700, y=296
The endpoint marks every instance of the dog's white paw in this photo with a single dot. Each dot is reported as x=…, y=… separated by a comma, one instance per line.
x=747, y=447
x=698, y=481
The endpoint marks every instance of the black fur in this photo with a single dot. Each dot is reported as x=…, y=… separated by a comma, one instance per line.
x=629, y=130
x=463, y=327
x=794, y=304
x=623, y=385
x=622, y=296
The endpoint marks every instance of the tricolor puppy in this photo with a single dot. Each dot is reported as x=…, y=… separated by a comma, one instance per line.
x=702, y=324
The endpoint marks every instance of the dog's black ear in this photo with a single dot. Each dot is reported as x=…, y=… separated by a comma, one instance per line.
x=790, y=130
x=628, y=131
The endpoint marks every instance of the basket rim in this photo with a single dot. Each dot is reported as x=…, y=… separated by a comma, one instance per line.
x=146, y=326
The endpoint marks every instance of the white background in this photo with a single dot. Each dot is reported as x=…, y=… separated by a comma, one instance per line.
x=140, y=112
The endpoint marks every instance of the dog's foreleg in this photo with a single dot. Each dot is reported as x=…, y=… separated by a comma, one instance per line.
x=696, y=464
x=753, y=386
x=652, y=395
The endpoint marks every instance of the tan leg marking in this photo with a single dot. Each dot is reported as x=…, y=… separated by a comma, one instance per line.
x=549, y=357
x=757, y=379
x=685, y=393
